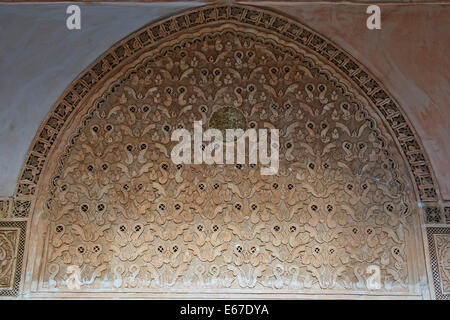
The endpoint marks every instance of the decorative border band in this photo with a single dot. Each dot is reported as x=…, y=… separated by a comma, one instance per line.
x=16, y=273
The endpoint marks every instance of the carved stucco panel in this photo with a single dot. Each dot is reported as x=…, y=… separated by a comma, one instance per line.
x=12, y=246
x=9, y=240
x=442, y=243
x=123, y=217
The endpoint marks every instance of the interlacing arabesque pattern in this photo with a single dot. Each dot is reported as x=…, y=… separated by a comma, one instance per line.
x=122, y=215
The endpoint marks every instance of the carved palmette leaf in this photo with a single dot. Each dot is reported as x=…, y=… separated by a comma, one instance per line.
x=121, y=207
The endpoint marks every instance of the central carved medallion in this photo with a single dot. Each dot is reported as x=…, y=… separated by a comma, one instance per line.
x=227, y=118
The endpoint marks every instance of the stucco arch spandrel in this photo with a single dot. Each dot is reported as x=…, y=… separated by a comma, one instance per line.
x=111, y=95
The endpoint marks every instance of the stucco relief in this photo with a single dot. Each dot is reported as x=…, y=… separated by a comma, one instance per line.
x=336, y=218
x=4, y=208
x=246, y=17
x=124, y=217
x=442, y=243
x=9, y=240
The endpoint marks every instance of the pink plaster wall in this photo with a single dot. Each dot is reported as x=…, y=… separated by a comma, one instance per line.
x=409, y=55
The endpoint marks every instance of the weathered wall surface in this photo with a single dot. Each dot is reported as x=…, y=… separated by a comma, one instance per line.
x=40, y=58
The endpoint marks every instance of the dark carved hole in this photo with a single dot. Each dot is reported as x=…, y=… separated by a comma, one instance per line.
x=276, y=228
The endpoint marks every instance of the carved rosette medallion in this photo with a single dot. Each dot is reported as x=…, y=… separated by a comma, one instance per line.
x=228, y=118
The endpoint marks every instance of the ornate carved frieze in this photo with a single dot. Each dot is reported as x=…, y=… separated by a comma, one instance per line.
x=12, y=245
x=439, y=247
x=5, y=205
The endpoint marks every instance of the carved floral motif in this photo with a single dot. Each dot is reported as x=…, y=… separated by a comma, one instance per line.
x=123, y=216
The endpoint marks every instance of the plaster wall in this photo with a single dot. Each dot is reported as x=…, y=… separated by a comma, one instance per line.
x=40, y=57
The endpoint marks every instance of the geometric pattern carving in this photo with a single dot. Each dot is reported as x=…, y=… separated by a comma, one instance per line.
x=447, y=215
x=433, y=214
x=122, y=217
x=439, y=248
x=209, y=15
x=12, y=245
